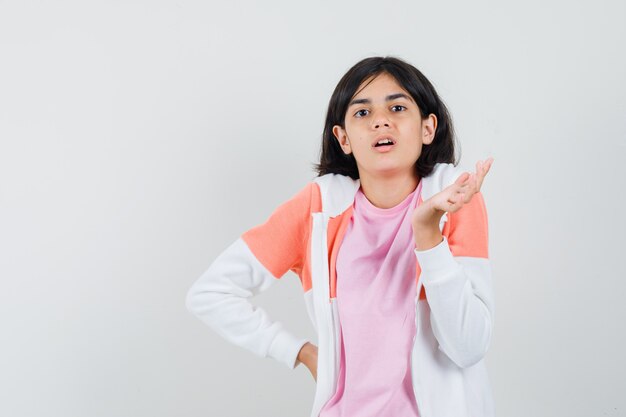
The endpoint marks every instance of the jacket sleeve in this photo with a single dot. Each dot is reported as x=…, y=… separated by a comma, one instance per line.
x=248, y=267
x=456, y=275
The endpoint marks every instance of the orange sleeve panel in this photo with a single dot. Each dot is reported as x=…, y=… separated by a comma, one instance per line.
x=337, y=227
x=467, y=230
x=280, y=243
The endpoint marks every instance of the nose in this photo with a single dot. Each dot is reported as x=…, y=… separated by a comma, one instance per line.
x=380, y=120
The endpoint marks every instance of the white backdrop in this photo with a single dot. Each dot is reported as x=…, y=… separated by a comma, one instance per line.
x=140, y=138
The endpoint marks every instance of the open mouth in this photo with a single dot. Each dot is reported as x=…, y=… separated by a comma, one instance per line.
x=384, y=142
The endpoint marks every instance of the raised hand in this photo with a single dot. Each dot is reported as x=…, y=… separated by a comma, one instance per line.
x=427, y=215
x=461, y=192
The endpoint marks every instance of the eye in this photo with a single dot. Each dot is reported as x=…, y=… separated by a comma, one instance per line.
x=360, y=113
x=398, y=105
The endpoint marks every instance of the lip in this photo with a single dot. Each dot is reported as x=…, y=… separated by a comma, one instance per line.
x=386, y=148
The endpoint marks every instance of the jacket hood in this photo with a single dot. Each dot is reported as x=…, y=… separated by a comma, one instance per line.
x=337, y=191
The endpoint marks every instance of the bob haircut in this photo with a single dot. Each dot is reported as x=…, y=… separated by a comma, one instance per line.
x=442, y=149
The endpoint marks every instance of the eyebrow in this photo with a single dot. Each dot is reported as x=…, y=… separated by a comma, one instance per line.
x=388, y=98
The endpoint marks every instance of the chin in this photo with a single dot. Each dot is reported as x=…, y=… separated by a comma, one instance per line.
x=389, y=171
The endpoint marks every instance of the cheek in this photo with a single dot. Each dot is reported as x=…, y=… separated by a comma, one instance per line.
x=416, y=150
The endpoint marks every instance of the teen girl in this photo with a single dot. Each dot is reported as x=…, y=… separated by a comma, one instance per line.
x=390, y=244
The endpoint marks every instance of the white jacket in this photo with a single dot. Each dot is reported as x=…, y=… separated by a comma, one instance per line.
x=453, y=324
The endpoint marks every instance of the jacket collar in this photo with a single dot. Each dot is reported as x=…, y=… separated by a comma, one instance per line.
x=338, y=191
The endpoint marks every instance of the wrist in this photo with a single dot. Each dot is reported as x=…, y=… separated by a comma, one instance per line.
x=428, y=216
x=427, y=237
x=306, y=352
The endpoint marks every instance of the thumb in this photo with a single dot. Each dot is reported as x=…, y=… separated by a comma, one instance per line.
x=462, y=178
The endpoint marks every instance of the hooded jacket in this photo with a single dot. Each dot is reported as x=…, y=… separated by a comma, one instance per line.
x=454, y=297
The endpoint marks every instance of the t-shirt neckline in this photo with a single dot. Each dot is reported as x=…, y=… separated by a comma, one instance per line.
x=366, y=205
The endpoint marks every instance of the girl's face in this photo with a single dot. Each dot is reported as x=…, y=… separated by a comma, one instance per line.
x=384, y=110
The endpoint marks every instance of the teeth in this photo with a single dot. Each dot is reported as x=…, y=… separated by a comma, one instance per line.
x=383, y=141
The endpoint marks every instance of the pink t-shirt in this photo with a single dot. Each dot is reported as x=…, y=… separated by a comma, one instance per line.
x=376, y=293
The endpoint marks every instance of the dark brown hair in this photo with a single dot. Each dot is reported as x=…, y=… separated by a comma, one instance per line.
x=442, y=149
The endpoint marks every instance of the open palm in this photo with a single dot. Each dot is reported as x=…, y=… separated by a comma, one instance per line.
x=453, y=197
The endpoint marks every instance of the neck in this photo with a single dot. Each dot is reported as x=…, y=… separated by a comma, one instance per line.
x=387, y=192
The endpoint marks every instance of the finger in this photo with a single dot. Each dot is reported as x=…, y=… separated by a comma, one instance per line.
x=462, y=178
x=479, y=182
x=486, y=166
x=469, y=187
x=472, y=185
x=475, y=182
x=464, y=187
x=482, y=168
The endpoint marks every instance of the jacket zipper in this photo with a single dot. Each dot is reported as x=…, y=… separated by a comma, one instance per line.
x=322, y=303
x=413, y=372
x=333, y=328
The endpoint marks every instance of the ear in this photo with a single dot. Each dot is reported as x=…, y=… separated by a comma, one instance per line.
x=429, y=127
x=342, y=138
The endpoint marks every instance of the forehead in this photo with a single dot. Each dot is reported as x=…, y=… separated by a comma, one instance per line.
x=378, y=87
